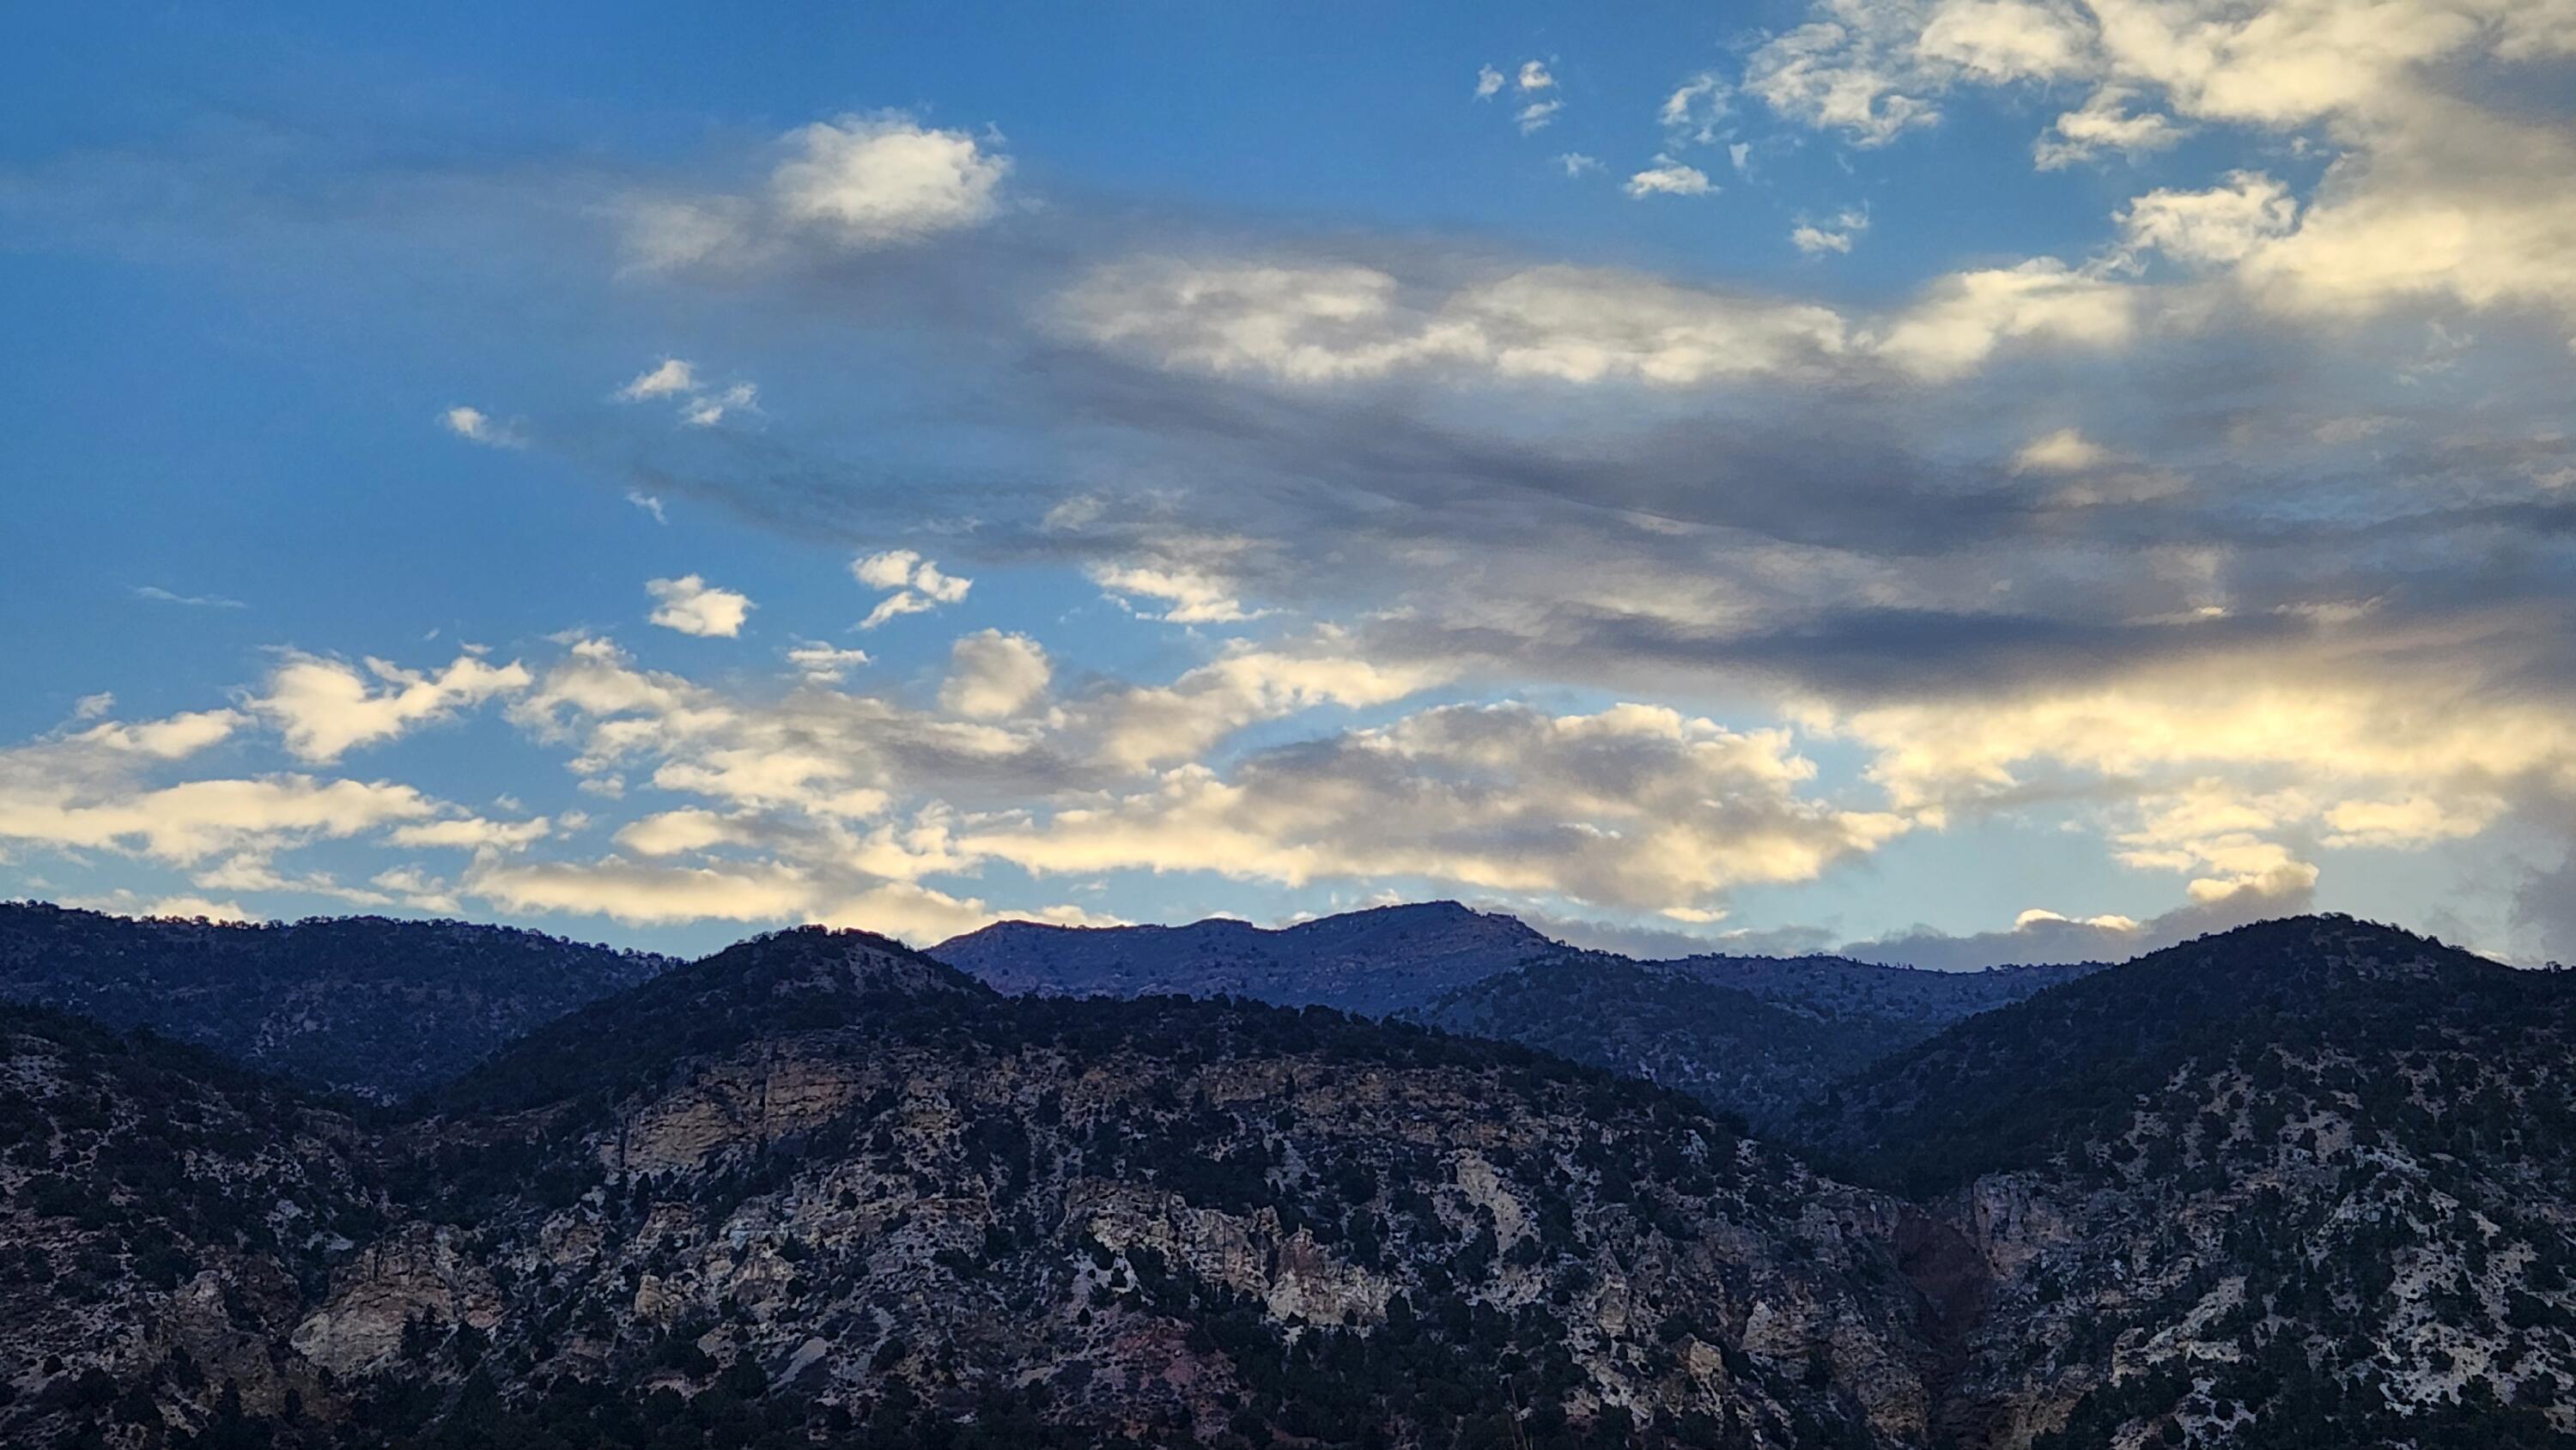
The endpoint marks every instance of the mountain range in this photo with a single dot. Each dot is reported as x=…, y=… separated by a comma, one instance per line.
x=1376, y=962
x=2302, y=1184
x=365, y=1005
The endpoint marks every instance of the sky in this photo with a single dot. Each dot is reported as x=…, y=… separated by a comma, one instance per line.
x=1958, y=481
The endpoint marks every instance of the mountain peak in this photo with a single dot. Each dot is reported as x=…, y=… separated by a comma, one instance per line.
x=803, y=979
x=1373, y=961
x=831, y=960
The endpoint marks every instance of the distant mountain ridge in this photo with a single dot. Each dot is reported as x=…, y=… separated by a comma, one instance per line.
x=1375, y=961
x=1757, y=1036
x=366, y=1005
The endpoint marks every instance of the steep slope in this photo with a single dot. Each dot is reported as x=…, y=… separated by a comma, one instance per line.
x=1895, y=1006
x=1374, y=962
x=1731, y=1050
x=1757, y=1036
x=820, y=1189
x=362, y=1004
x=802, y=979
x=2305, y=1183
x=166, y=1219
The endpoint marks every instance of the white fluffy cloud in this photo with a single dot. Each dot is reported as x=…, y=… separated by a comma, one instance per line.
x=1140, y=726
x=1692, y=112
x=477, y=426
x=2107, y=121
x=918, y=585
x=992, y=675
x=1635, y=806
x=1961, y=319
x=196, y=819
x=326, y=707
x=1189, y=594
x=1817, y=238
x=1329, y=324
x=664, y=379
x=854, y=183
x=884, y=180
x=825, y=664
x=690, y=605
x=2436, y=189
x=2216, y=227
x=1318, y=324
x=1668, y=177
x=473, y=833
x=646, y=895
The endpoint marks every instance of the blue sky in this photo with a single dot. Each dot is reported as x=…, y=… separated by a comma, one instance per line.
x=1966, y=479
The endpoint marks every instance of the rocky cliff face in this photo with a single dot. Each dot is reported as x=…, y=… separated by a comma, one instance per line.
x=855, y=1192
x=2307, y=1184
x=164, y=1219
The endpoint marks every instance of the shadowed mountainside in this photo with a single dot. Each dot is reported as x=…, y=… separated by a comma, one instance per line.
x=365, y=1005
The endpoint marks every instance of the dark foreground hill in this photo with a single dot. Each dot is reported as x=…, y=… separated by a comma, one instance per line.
x=2306, y=1184
x=818, y=1189
x=366, y=1005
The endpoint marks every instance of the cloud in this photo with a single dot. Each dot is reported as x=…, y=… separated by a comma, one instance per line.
x=992, y=675
x=184, y=908
x=1534, y=76
x=2066, y=450
x=1322, y=324
x=1141, y=726
x=701, y=406
x=682, y=832
x=649, y=504
x=1668, y=177
x=2406, y=97
x=1489, y=82
x=1834, y=236
x=473, y=833
x=709, y=409
x=159, y=595
x=2042, y=936
x=824, y=663
x=1537, y=116
x=2412, y=822
x=1961, y=319
x=326, y=707
x=200, y=818
x=1192, y=595
x=476, y=426
x=852, y=184
x=645, y=895
x=923, y=916
x=1635, y=807
x=2217, y=227
x=664, y=379
x=690, y=605
x=918, y=585
x=2105, y=122
x=886, y=180
x=1691, y=113
x=1577, y=164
